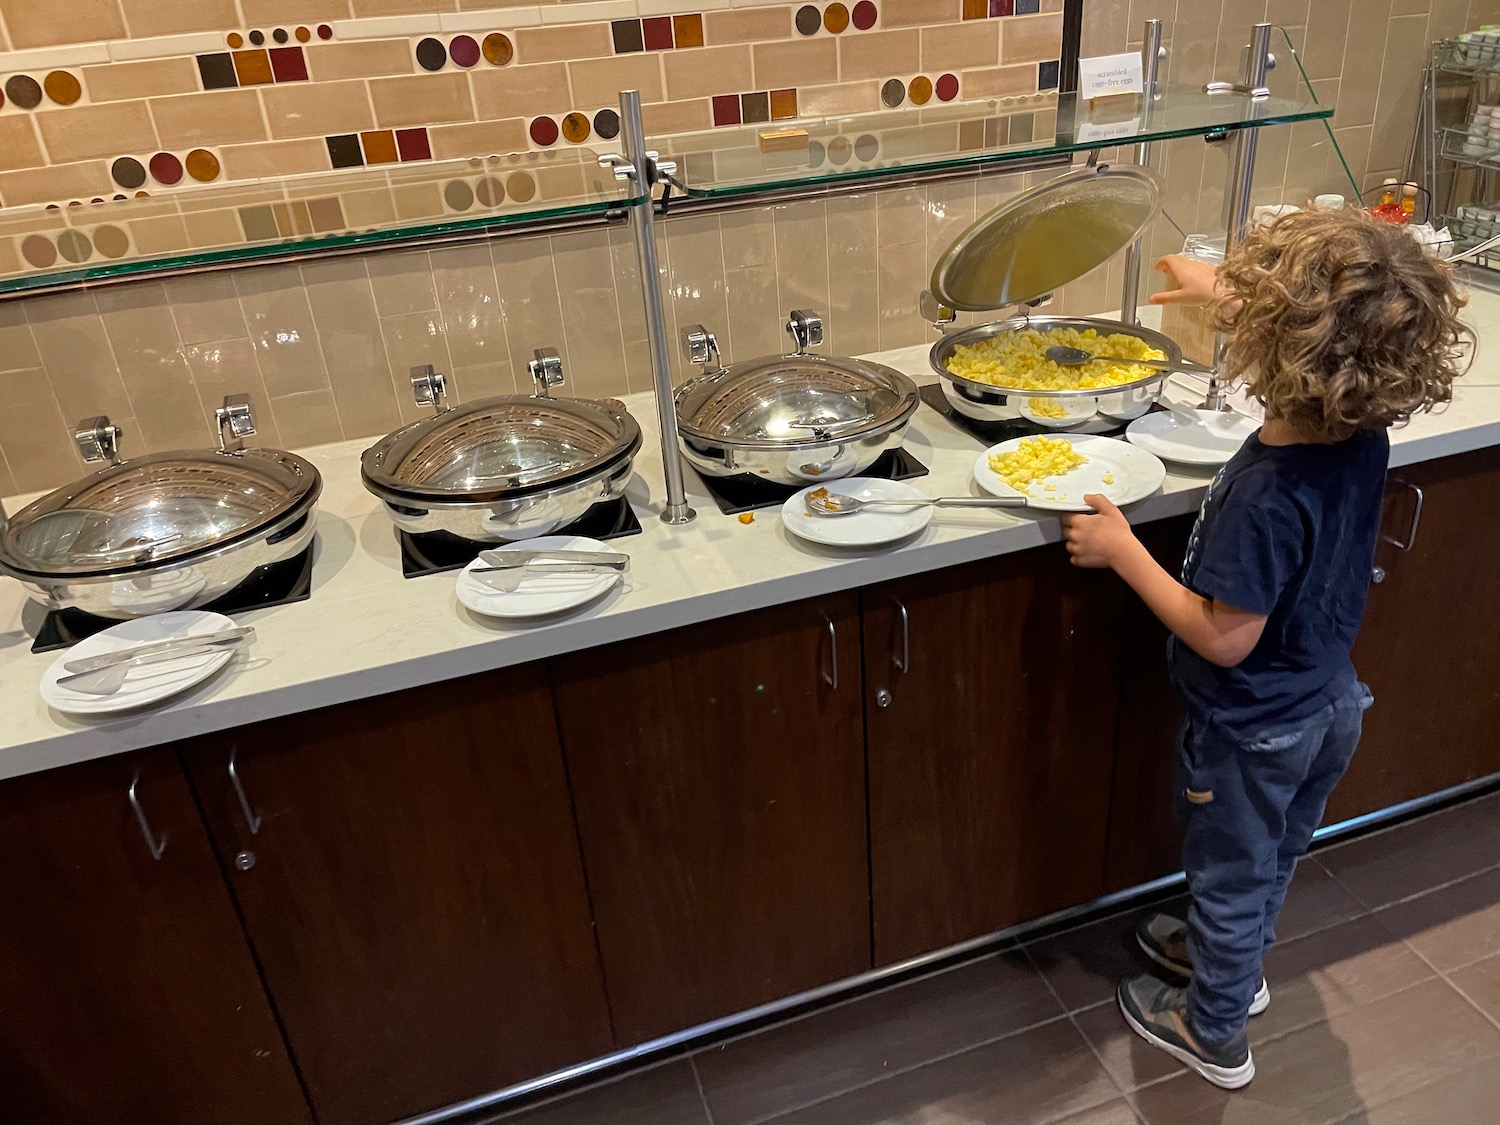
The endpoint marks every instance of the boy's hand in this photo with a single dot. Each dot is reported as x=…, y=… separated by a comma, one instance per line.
x=1190, y=282
x=1099, y=540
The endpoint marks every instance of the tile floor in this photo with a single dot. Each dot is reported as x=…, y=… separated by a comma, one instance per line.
x=1385, y=1011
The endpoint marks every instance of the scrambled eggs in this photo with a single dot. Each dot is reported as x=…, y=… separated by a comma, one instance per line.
x=1018, y=359
x=1043, y=407
x=1037, y=459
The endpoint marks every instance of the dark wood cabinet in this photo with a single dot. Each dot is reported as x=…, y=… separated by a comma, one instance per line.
x=718, y=778
x=409, y=876
x=1430, y=648
x=127, y=993
x=990, y=708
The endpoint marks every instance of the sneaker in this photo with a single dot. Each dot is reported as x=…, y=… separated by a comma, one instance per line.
x=1163, y=938
x=1158, y=1014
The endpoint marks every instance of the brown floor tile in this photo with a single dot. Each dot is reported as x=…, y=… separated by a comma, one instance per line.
x=1130, y=1060
x=663, y=1095
x=1452, y=926
x=836, y=1050
x=1329, y=1071
x=1315, y=901
x=1480, y=982
x=1115, y=1113
x=1470, y=1097
x=1086, y=964
x=1332, y=971
x=1035, y=1076
x=1408, y=860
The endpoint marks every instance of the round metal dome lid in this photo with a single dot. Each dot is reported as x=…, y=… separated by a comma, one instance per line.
x=163, y=508
x=1037, y=242
x=499, y=448
x=785, y=401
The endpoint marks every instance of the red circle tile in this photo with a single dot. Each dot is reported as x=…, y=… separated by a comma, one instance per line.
x=166, y=168
x=544, y=131
x=464, y=50
x=324, y=31
x=864, y=15
x=947, y=88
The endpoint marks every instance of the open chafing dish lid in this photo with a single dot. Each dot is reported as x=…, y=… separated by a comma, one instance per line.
x=778, y=401
x=500, y=448
x=167, y=507
x=1045, y=237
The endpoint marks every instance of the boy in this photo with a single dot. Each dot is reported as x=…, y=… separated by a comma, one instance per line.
x=1340, y=326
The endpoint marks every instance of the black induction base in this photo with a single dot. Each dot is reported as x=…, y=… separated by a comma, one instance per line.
x=993, y=433
x=275, y=584
x=437, y=552
x=746, y=493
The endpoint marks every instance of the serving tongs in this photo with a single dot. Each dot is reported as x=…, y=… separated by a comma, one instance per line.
x=506, y=569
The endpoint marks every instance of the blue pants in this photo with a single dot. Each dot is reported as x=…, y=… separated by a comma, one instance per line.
x=1248, y=809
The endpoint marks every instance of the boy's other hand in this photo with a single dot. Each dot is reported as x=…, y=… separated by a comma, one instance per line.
x=1099, y=540
x=1190, y=282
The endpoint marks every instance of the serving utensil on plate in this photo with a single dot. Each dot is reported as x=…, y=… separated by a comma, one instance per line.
x=836, y=505
x=109, y=679
x=169, y=649
x=508, y=579
x=1064, y=356
x=510, y=558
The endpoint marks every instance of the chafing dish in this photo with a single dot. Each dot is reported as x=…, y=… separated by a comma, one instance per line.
x=166, y=531
x=790, y=419
x=504, y=468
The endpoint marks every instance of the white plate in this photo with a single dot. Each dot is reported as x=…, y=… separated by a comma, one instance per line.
x=538, y=594
x=862, y=529
x=1137, y=474
x=147, y=683
x=1213, y=436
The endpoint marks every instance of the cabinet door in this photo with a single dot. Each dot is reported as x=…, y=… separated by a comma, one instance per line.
x=992, y=691
x=127, y=992
x=1430, y=647
x=413, y=892
x=718, y=775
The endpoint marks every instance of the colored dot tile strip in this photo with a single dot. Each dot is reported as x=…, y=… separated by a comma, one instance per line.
x=227, y=70
x=657, y=33
x=463, y=51
x=379, y=146
x=754, y=107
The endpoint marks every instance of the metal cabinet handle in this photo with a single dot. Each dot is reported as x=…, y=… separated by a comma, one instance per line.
x=1416, y=521
x=831, y=678
x=251, y=820
x=157, y=844
x=904, y=664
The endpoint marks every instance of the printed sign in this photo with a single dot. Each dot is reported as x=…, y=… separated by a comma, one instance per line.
x=1105, y=75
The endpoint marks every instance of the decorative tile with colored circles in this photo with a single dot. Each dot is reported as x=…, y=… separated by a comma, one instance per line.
x=836, y=18
x=657, y=33
x=754, y=107
x=463, y=51
x=985, y=9
x=226, y=70
x=378, y=146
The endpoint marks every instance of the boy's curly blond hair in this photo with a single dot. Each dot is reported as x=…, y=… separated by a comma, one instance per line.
x=1339, y=322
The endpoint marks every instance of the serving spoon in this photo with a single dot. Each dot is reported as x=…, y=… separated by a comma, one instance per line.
x=1064, y=356
x=832, y=505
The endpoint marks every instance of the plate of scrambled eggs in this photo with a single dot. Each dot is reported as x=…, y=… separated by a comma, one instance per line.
x=1056, y=473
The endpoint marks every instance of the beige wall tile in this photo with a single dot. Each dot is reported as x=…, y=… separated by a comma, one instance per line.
x=843, y=97
x=677, y=117
x=219, y=117
x=368, y=58
x=304, y=109
x=805, y=62
x=485, y=380
x=748, y=240
x=915, y=13
x=18, y=142
x=900, y=278
x=417, y=201
x=163, y=235
x=206, y=308
x=530, y=307
x=71, y=342
x=955, y=46
x=227, y=367
x=138, y=322
x=801, y=255
x=880, y=54
x=271, y=159
x=1106, y=27
x=8, y=486
x=712, y=70
x=416, y=340
x=469, y=298
x=747, y=25
x=369, y=208
x=756, y=314
x=1400, y=84
x=428, y=99
x=508, y=91
x=55, y=183
x=262, y=12
x=281, y=330
x=364, y=8
x=695, y=279
x=359, y=371
x=34, y=24
x=598, y=82
x=901, y=217
x=999, y=82
x=854, y=263
x=563, y=42
x=1031, y=39
x=482, y=138
x=81, y=132
x=307, y=418
x=402, y=283
x=149, y=78
x=209, y=229
x=170, y=17
x=17, y=348
x=592, y=322
x=36, y=437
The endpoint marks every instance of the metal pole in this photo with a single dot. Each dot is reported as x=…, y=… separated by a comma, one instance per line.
x=645, y=171
x=1237, y=189
x=1151, y=53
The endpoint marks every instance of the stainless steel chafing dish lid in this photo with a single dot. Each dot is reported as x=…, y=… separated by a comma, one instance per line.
x=784, y=401
x=499, y=449
x=165, y=508
x=1052, y=234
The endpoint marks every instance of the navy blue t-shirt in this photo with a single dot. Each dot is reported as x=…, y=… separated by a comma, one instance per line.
x=1289, y=532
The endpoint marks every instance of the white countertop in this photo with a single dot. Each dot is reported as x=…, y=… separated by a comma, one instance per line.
x=366, y=630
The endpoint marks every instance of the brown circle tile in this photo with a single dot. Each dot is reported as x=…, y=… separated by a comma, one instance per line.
x=920, y=90
x=257, y=38
x=490, y=191
x=235, y=40
x=864, y=15
x=808, y=20
x=127, y=172
x=75, y=246
x=62, y=87
x=24, y=90
x=202, y=165
x=304, y=34
x=836, y=18
x=39, y=252
x=112, y=242
x=458, y=195
x=607, y=124
x=432, y=55
x=498, y=49
x=575, y=128
x=280, y=35
x=520, y=187
x=893, y=93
